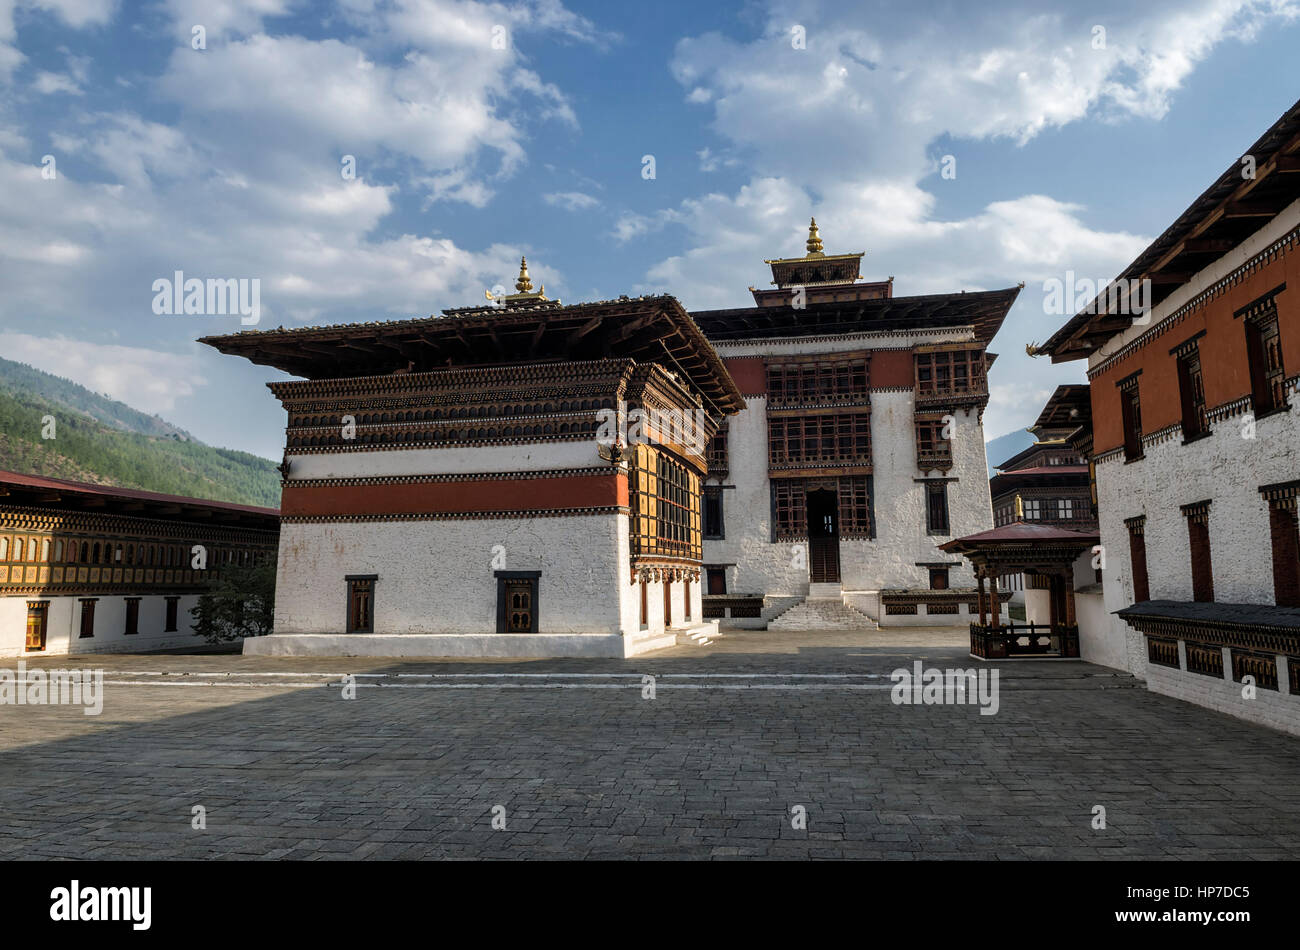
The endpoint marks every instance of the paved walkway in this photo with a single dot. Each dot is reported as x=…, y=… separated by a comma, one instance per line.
x=579, y=764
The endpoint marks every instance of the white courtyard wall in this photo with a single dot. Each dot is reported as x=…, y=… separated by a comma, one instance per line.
x=437, y=576
x=63, y=626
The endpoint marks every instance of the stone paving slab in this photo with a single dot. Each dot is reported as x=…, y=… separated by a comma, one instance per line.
x=583, y=766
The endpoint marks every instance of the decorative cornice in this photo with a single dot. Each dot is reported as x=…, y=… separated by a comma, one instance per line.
x=1281, y=246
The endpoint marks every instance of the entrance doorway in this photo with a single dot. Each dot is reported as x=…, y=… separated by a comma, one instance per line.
x=823, y=537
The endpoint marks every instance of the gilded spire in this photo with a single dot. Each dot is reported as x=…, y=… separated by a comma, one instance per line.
x=1020, y=508
x=814, y=239
x=523, y=284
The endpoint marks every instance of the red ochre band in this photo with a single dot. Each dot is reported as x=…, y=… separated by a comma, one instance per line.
x=536, y=494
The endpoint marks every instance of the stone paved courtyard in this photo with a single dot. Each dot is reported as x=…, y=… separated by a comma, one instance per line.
x=738, y=733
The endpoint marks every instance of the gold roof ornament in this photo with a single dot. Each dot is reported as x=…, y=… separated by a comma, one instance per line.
x=523, y=284
x=814, y=240
x=524, y=293
x=1020, y=508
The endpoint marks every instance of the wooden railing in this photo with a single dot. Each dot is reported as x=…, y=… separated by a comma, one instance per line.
x=1007, y=641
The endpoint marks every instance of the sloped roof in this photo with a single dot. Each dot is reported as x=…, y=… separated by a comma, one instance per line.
x=984, y=310
x=1225, y=214
x=20, y=489
x=653, y=329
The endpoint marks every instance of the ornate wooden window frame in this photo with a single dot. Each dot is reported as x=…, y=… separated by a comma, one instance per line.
x=504, y=581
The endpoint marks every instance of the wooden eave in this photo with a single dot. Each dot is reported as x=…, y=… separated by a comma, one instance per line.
x=648, y=329
x=982, y=310
x=1225, y=215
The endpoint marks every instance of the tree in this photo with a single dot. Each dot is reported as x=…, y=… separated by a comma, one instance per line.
x=241, y=603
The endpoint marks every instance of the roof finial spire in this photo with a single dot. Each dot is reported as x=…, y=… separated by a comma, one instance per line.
x=814, y=239
x=523, y=284
x=1020, y=508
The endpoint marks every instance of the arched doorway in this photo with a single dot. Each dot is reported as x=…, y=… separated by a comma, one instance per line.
x=823, y=537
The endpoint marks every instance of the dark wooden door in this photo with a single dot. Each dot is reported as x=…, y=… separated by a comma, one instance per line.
x=823, y=537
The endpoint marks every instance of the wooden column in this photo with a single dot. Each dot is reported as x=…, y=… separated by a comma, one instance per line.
x=979, y=592
x=1068, y=580
x=995, y=606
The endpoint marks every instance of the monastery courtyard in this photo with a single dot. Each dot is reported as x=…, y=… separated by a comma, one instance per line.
x=738, y=733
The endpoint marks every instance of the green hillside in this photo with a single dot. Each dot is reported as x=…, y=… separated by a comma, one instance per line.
x=100, y=440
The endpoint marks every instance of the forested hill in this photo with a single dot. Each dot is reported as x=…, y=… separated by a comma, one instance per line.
x=101, y=440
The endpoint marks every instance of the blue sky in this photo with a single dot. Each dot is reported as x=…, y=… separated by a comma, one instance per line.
x=225, y=161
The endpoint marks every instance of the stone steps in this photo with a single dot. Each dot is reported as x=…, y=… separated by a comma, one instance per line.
x=822, y=615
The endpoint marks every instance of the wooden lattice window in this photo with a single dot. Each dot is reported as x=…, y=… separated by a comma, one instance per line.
x=665, y=506
x=810, y=382
x=950, y=373
x=828, y=439
x=789, y=510
x=1264, y=353
x=361, y=603
x=1191, y=390
x=715, y=454
x=1131, y=417
x=932, y=449
x=517, y=601
x=855, y=506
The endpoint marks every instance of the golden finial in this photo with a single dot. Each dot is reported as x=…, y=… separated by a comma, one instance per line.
x=1020, y=508
x=814, y=239
x=523, y=284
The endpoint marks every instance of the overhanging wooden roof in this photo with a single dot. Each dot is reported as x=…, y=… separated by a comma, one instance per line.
x=1069, y=407
x=63, y=494
x=984, y=310
x=1228, y=212
x=648, y=329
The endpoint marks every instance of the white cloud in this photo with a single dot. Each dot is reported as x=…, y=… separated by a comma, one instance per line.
x=571, y=200
x=843, y=130
x=47, y=83
x=152, y=381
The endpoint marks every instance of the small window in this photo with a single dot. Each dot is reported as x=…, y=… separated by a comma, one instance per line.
x=361, y=603
x=936, y=507
x=1065, y=509
x=517, y=601
x=172, y=611
x=713, y=529
x=938, y=578
x=1137, y=550
x=1033, y=509
x=1285, y=537
x=87, y=618
x=1191, y=391
x=1198, y=537
x=717, y=579
x=38, y=612
x=132, y=616
x=1131, y=418
x=1264, y=353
